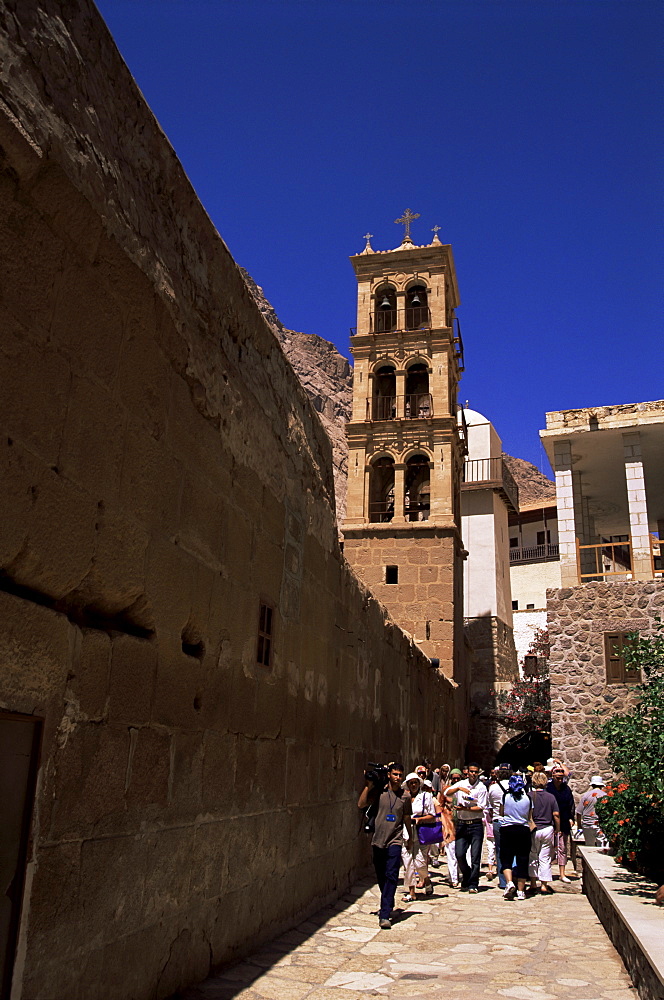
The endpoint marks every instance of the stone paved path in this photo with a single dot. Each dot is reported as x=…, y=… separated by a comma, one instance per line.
x=451, y=945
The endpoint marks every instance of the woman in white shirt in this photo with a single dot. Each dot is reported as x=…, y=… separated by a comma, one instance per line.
x=415, y=856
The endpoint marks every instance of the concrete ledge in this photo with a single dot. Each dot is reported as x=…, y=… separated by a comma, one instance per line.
x=625, y=904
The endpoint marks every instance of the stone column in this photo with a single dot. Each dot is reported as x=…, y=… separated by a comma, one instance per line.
x=567, y=523
x=637, y=506
x=400, y=382
x=399, y=481
x=401, y=310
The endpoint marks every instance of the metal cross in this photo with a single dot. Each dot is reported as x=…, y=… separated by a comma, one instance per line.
x=435, y=230
x=406, y=220
x=367, y=236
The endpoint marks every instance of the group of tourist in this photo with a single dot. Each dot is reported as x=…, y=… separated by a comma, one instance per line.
x=525, y=817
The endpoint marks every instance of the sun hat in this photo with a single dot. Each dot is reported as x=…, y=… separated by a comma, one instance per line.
x=597, y=779
x=427, y=784
x=412, y=777
x=456, y=770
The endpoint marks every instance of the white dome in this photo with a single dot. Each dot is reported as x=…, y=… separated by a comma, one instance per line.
x=473, y=417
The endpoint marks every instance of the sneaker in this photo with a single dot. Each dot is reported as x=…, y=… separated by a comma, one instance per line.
x=435, y=864
x=565, y=879
x=510, y=891
x=520, y=894
x=473, y=890
x=385, y=924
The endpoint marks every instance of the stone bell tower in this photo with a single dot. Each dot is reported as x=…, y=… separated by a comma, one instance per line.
x=402, y=533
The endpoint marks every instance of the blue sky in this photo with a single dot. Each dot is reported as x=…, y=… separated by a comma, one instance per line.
x=529, y=130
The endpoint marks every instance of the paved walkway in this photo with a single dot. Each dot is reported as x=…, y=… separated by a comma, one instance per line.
x=451, y=945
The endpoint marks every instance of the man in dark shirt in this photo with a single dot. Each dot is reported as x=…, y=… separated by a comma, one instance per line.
x=563, y=795
x=394, y=809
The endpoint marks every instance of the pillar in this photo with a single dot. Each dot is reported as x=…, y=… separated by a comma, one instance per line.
x=566, y=488
x=637, y=506
x=399, y=482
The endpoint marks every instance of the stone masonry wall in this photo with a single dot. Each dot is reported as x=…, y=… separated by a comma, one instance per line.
x=162, y=473
x=577, y=618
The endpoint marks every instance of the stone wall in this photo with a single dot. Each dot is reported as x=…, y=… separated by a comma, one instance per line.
x=494, y=668
x=163, y=472
x=577, y=618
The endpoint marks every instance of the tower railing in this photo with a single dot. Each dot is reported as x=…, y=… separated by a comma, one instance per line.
x=493, y=474
x=384, y=321
x=414, y=406
x=417, y=317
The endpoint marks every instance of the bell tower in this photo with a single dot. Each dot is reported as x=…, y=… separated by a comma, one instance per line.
x=402, y=533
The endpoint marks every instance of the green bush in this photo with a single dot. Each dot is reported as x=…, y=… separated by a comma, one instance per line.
x=632, y=814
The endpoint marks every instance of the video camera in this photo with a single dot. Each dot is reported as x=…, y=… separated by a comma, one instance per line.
x=377, y=775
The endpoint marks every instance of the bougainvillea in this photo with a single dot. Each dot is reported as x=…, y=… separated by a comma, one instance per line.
x=527, y=705
x=632, y=814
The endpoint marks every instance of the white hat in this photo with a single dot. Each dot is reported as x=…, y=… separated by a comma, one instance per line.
x=597, y=779
x=412, y=777
x=427, y=784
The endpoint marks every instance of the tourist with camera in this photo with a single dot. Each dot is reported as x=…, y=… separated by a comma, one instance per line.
x=390, y=811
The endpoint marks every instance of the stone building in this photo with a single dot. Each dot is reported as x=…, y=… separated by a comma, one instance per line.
x=488, y=496
x=402, y=532
x=191, y=676
x=610, y=497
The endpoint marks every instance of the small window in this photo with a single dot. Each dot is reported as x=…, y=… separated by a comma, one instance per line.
x=530, y=666
x=530, y=607
x=544, y=537
x=617, y=672
x=514, y=543
x=515, y=605
x=264, y=650
x=391, y=574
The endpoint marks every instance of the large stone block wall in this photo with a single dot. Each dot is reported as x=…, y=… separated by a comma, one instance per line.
x=577, y=618
x=494, y=668
x=162, y=473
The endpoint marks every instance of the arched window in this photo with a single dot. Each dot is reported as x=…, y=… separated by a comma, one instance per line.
x=418, y=397
x=417, y=307
x=381, y=490
x=385, y=313
x=417, y=489
x=384, y=402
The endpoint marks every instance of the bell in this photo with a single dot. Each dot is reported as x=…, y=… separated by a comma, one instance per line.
x=415, y=301
x=385, y=304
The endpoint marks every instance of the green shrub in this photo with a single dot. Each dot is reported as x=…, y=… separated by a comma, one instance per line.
x=632, y=814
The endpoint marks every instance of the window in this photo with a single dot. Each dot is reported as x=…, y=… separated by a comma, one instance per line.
x=530, y=607
x=514, y=543
x=530, y=666
x=544, y=537
x=617, y=672
x=264, y=650
x=391, y=574
x=515, y=605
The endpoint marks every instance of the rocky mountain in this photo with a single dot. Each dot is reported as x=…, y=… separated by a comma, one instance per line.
x=326, y=376
x=534, y=486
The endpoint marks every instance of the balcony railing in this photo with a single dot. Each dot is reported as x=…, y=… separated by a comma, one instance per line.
x=415, y=406
x=605, y=559
x=417, y=318
x=416, y=510
x=491, y=473
x=534, y=553
x=657, y=556
x=458, y=343
x=384, y=321
x=381, y=511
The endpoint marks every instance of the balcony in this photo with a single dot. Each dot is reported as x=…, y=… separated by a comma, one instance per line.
x=386, y=320
x=534, y=553
x=601, y=561
x=491, y=473
x=415, y=406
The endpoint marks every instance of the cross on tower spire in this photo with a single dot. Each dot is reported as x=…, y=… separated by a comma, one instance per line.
x=405, y=221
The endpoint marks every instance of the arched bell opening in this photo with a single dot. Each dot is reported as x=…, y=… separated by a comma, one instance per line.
x=385, y=312
x=418, y=397
x=417, y=489
x=417, y=307
x=384, y=402
x=381, y=490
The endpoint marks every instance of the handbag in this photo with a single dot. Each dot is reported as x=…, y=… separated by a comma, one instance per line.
x=430, y=833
